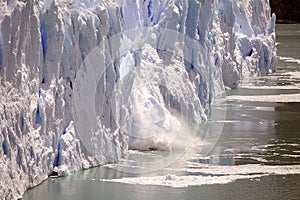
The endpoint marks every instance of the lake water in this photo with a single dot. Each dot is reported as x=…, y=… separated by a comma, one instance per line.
x=257, y=155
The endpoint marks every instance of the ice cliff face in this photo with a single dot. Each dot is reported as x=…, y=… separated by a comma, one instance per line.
x=62, y=111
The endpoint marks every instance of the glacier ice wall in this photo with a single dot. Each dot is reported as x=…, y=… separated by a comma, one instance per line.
x=46, y=48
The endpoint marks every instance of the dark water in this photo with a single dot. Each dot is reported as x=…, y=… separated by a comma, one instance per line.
x=256, y=157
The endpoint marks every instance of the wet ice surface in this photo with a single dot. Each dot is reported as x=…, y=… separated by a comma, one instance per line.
x=256, y=156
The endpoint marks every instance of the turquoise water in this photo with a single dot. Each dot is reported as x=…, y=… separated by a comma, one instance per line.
x=256, y=157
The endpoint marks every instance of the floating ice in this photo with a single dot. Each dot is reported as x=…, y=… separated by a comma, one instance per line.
x=209, y=174
x=289, y=59
x=281, y=98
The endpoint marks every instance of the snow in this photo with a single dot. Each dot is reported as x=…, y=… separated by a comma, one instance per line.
x=77, y=77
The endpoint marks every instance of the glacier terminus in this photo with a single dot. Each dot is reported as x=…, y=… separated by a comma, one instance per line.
x=84, y=81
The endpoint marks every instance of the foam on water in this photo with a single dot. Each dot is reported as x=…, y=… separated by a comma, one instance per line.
x=209, y=175
x=281, y=98
x=294, y=75
x=289, y=59
x=273, y=87
x=182, y=181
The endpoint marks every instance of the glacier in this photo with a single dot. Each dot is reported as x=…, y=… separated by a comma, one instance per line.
x=83, y=81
